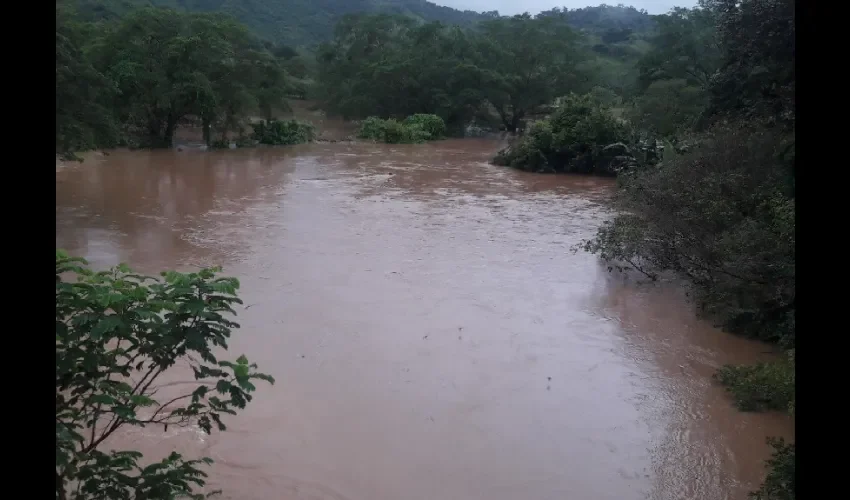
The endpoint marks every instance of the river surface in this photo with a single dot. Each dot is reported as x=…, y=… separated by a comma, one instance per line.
x=432, y=335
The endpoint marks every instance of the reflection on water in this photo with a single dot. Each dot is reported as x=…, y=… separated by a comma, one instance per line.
x=431, y=333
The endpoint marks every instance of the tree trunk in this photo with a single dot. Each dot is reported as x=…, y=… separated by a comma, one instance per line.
x=516, y=121
x=154, y=130
x=504, y=117
x=206, y=130
x=224, y=131
x=168, y=136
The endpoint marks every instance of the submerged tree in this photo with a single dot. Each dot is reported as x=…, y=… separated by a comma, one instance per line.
x=116, y=334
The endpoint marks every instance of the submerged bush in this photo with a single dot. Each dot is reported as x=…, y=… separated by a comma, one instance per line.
x=283, y=132
x=780, y=483
x=532, y=152
x=433, y=124
x=397, y=133
x=764, y=386
x=372, y=128
x=576, y=138
x=391, y=131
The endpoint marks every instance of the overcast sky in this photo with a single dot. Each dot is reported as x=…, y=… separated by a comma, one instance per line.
x=534, y=6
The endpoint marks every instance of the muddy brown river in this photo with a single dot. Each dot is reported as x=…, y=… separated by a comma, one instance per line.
x=432, y=335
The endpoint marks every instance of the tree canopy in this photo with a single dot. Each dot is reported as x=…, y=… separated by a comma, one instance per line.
x=391, y=66
x=134, y=80
x=291, y=22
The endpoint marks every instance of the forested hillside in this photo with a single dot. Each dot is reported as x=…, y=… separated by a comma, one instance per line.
x=293, y=22
x=309, y=22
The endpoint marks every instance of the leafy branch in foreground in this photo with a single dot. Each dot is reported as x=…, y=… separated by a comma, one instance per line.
x=116, y=333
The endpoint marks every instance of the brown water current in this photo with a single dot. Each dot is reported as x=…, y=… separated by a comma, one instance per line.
x=432, y=335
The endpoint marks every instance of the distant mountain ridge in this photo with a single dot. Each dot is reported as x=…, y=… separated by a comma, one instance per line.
x=293, y=22
x=310, y=22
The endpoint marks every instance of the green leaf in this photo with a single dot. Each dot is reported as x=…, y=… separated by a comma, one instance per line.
x=103, y=399
x=142, y=400
x=105, y=325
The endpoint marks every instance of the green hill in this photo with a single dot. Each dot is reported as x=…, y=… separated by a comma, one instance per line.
x=292, y=22
x=309, y=22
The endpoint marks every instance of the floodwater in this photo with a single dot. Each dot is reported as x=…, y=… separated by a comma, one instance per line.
x=431, y=333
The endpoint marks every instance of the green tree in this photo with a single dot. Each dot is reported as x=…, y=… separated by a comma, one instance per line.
x=390, y=67
x=443, y=74
x=169, y=65
x=297, y=23
x=528, y=62
x=756, y=78
x=116, y=333
x=581, y=136
x=721, y=209
x=83, y=120
x=720, y=215
x=686, y=46
x=362, y=46
x=668, y=108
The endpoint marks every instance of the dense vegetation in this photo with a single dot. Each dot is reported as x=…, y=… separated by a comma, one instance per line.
x=135, y=80
x=308, y=23
x=719, y=207
x=283, y=132
x=393, y=67
x=214, y=72
x=116, y=334
x=290, y=22
x=580, y=136
x=414, y=129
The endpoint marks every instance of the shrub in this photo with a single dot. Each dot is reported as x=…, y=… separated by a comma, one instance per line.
x=764, y=386
x=532, y=152
x=573, y=139
x=372, y=128
x=392, y=131
x=283, y=132
x=395, y=132
x=416, y=134
x=433, y=124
